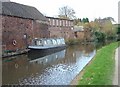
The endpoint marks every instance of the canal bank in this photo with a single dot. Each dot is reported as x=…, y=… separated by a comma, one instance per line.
x=11, y=53
x=8, y=53
x=100, y=70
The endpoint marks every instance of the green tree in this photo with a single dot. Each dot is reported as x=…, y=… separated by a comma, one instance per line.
x=99, y=36
x=109, y=28
x=85, y=20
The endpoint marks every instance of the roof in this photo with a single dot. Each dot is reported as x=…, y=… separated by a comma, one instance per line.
x=58, y=18
x=5, y=0
x=23, y=11
x=78, y=28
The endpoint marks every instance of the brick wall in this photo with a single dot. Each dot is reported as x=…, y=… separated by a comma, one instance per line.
x=66, y=33
x=61, y=28
x=15, y=30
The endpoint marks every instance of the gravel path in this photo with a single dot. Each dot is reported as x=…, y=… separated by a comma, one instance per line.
x=116, y=79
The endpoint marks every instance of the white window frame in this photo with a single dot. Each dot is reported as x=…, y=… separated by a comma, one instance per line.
x=57, y=22
x=60, y=23
x=53, y=22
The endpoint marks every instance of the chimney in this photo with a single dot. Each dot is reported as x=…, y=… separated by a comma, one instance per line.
x=5, y=0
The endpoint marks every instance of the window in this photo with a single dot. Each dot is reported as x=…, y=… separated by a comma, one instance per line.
x=53, y=22
x=63, y=22
x=69, y=23
x=66, y=23
x=72, y=28
x=57, y=23
x=60, y=23
x=49, y=22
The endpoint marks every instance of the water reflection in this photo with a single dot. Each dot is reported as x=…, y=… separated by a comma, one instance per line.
x=35, y=54
x=55, y=69
x=49, y=58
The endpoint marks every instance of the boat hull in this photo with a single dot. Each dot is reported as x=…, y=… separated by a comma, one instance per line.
x=37, y=53
x=45, y=47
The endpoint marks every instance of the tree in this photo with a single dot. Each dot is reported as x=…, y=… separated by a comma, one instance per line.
x=99, y=36
x=77, y=21
x=109, y=18
x=117, y=26
x=66, y=12
x=85, y=20
x=105, y=26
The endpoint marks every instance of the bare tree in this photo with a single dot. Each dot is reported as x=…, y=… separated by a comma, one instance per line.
x=66, y=12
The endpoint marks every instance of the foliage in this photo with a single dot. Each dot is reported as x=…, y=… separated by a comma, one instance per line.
x=117, y=26
x=77, y=21
x=73, y=41
x=66, y=12
x=105, y=27
x=81, y=22
x=85, y=20
x=99, y=36
x=109, y=18
x=100, y=70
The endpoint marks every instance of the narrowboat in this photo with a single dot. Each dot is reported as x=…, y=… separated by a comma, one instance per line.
x=47, y=43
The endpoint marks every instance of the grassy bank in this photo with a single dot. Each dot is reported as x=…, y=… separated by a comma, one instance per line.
x=100, y=70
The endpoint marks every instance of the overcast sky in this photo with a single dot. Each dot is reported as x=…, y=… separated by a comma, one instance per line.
x=83, y=8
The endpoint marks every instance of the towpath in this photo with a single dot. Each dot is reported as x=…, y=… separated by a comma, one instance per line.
x=116, y=79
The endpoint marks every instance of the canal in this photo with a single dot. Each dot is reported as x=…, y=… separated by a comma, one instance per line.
x=58, y=68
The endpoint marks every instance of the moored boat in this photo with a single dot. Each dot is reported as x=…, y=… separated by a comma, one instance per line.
x=44, y=43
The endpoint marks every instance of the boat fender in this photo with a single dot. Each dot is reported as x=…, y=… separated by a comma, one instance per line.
x=14, y=42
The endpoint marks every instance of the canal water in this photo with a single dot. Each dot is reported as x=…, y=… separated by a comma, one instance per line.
x=58, y=68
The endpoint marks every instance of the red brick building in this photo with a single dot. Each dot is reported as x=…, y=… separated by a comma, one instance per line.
x=21, y=24
x=60, y=28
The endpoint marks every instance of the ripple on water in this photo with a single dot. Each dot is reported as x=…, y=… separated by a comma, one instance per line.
x=60, y=74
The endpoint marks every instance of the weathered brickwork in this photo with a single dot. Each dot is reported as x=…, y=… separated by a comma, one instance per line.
x=66, y=33
x=61, y=28
x=17, y=33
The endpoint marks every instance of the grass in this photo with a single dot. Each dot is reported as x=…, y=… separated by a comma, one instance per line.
x=100, y=70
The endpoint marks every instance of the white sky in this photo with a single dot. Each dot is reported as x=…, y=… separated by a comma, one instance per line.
x=83, y=8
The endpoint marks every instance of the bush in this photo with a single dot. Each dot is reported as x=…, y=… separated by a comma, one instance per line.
x=73, y=41
x=100, y=36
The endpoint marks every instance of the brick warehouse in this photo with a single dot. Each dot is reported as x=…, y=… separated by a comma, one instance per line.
x=61, y=28
x=21, y=24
